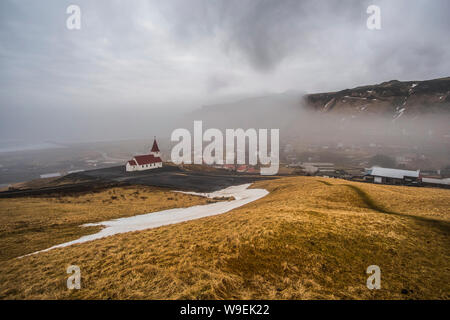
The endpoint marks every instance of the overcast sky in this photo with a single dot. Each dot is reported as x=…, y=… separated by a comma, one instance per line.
x=140, y=56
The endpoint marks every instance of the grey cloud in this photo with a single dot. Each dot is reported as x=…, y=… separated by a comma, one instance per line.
x=217, y=82
x=263, y=31
x=267, y=32
x=139, y=55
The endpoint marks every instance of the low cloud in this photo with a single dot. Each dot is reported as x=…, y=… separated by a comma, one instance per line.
x=180, y=54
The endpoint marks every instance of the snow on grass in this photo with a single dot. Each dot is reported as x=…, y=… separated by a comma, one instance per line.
x=241, y=194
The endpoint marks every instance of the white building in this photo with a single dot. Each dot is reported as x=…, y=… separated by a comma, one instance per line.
x=436, y=182
x=147, y=161
x=393, y=176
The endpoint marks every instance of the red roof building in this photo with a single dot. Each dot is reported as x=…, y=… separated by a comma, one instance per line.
x=146, y=161
x=242, y=168
x=252, y=170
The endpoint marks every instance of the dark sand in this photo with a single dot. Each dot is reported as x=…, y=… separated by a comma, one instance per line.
x=168, y=176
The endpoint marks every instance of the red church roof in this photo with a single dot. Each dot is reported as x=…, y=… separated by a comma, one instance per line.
x=147, y=159
x=132, y=162
x=155, y=147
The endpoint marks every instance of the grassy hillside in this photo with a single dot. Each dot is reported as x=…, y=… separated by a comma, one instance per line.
x=310, y=238
x=30, y=224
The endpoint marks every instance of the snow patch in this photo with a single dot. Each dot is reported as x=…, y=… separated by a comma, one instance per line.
x=241, y=194
x=399, y=113
x=50, y=175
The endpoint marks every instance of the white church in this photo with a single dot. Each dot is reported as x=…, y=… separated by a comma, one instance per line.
x=147, y=161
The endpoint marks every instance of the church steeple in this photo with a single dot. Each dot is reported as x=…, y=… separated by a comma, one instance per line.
x=155, y=149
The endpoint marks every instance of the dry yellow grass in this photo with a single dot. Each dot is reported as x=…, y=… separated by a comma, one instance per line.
x=310, y=238
x=34, y=223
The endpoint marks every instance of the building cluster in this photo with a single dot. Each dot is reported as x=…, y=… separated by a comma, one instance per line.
x=315, y=168
x=240, y=168
x=375, y=174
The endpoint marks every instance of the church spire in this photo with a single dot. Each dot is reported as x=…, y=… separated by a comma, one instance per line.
x=155, y=146
x=155, y=149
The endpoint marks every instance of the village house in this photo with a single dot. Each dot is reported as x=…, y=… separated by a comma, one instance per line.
x=147, y=161
x=242, y=168
x=392, y=176
x=315, y=167
x=246, y=169
x=434, y=182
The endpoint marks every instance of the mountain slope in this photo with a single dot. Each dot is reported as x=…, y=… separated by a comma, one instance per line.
x=391, y=99
x=271, y=111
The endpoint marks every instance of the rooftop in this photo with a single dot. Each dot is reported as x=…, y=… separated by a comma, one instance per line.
x=147, y=159
x=155, y=147
x=392, y=173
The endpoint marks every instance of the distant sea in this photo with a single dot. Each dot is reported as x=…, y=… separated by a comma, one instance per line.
x=19, y=145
